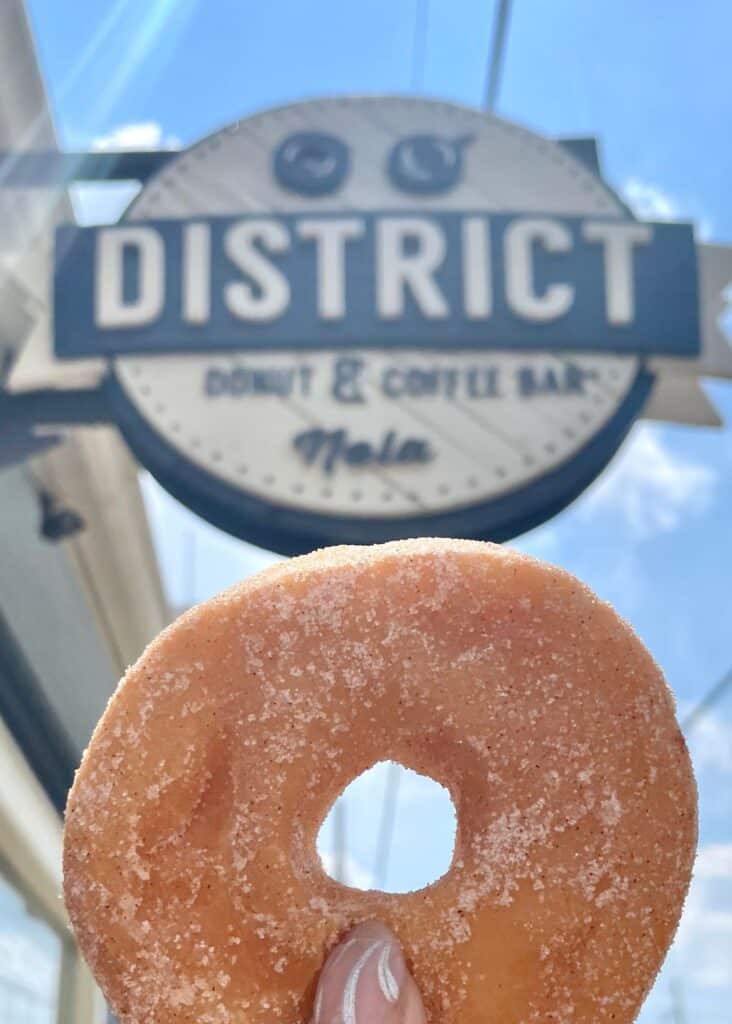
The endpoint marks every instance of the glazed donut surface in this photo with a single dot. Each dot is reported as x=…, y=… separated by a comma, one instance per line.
x=190, y=870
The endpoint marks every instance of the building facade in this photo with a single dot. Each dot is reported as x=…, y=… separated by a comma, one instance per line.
x=80, y=593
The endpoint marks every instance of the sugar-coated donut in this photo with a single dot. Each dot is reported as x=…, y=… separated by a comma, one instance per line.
x=191, y=873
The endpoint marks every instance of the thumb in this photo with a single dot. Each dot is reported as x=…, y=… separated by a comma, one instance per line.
x=365, y=981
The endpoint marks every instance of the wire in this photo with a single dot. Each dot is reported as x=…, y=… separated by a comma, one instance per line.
x=497, y=51
x=706, y=702
x=419, y=43
x=386, y=826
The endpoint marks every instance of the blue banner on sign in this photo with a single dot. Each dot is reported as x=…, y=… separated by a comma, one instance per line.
x=447, y=280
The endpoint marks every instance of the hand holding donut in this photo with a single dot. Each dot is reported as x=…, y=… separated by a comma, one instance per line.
x=191, y=874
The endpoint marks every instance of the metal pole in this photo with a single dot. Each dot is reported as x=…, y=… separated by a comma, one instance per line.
x=497, y=51
x=339, y=841
x=386, y=828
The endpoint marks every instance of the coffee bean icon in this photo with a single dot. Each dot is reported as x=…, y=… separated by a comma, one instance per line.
x=427, y=164
x=311, y=163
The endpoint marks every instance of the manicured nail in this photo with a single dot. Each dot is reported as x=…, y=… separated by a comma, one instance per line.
x=365, y=981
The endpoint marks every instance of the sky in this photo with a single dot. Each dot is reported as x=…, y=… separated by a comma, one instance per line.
x=652, y=535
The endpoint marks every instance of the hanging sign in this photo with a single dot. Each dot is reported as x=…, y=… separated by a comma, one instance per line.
x=357, y=319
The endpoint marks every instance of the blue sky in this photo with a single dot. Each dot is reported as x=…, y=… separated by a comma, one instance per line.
x=653, y=534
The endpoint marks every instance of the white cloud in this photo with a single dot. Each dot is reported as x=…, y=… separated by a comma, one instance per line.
x=649, y=202
x=714, y=861
x=709, y=739
x=651, y=487
x=710, y=743
x=136, y=135
x=704, y=939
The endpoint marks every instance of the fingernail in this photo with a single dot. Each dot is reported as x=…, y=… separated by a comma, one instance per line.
x=365, y=981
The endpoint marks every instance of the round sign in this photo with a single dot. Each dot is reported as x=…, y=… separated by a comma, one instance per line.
x=336, y=439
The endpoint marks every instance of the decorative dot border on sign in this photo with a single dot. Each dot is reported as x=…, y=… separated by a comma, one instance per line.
x=303, y=487
x=297, y=532
x=179, y=168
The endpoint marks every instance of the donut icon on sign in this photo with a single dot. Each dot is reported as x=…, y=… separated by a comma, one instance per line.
x=311, y=163
x=427, y=164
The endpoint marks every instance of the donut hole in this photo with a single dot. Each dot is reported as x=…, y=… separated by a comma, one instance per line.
x=391, y=829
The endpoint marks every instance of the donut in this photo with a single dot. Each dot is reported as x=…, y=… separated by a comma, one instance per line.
x=191, y=875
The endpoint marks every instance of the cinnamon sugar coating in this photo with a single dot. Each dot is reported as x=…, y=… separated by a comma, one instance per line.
x=190, y=870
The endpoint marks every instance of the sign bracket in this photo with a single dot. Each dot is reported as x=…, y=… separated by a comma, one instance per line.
x=53, y=169
x=22, y=413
